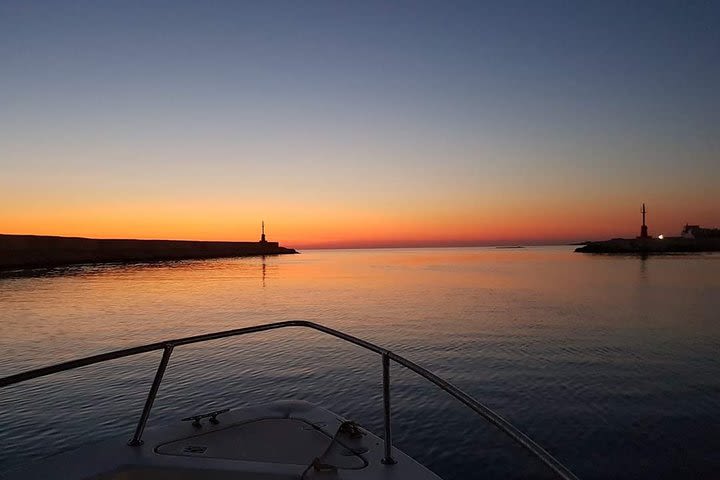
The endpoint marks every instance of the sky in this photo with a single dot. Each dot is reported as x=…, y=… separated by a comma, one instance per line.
x=355, y=124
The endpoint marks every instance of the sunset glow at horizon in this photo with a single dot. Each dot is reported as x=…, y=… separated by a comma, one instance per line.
x=361, y=125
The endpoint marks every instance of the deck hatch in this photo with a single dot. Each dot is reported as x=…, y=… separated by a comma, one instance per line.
x=269, y=440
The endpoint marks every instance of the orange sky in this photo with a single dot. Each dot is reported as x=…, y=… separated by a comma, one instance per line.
x=312, y=226
x=350, y=203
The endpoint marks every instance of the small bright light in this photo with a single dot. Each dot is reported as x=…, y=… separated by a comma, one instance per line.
x=661, y=236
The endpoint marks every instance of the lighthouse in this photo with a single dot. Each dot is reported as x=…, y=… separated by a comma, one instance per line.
x=643, y=228
x=262, y=232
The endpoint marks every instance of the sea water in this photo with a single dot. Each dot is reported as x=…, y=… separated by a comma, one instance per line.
x=611, y=363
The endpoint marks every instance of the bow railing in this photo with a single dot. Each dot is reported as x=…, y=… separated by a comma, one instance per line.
x=168, y=346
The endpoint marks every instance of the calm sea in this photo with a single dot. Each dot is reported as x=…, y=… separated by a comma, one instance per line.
x=611, y=363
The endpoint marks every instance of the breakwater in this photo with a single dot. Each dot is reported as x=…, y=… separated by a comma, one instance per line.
x=35, y=251
x=652, y=245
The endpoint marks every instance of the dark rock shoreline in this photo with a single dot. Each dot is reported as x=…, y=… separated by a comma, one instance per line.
x=646, y=246
x=35, y=251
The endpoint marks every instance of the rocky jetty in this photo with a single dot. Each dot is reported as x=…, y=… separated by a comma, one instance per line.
x=645, y=246
x=34, y=251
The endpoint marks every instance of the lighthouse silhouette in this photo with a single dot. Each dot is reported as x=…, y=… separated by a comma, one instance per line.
x=643, y=228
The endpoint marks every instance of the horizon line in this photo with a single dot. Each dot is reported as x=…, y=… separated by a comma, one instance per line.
x=355, y=246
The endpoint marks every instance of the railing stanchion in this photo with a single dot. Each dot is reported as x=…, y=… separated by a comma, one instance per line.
x=388, y=459
x=137, y=437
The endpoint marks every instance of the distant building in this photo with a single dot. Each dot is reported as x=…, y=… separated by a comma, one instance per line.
x=696, y=231
x=262, y=232
x=688, y=231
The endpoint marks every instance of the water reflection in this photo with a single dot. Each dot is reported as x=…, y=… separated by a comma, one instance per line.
x=643, y=267
x=264, y=266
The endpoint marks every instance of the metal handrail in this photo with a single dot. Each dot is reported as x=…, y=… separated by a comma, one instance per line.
x=168, y=346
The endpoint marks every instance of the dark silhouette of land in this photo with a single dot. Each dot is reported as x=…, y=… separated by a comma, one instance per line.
x=34, y=251
x=692, y=239
x=652, y=245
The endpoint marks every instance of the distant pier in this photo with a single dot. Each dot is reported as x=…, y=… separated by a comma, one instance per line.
x=693, y=239
x=652, y=245
x=34, y=251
